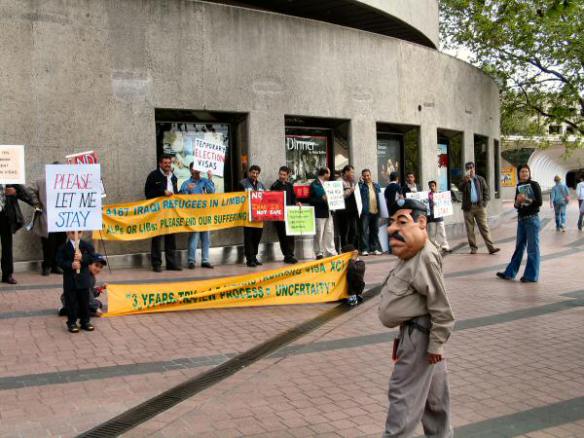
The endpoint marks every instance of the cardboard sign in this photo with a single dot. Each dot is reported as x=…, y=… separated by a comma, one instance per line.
x=442, y=204
x=88, y=157
x=300, y=221
x=73, y=197
x=12, y=164
x=267, y=206
x=302, y=191
x=334, y=195
x=209, y=156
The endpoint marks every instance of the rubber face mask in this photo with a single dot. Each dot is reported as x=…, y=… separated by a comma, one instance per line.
x=406, y=236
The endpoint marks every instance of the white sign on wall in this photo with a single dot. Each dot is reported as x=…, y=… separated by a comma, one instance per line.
x=73, y=197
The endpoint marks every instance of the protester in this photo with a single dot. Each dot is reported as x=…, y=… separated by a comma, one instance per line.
x=559, y=200
x=348, y=217
x=410, y=185
x=251, y=235
x=162, y=182
x=96, y=264
x=324, y=239
x=392, y=193
x=50, y=241
x=475, y=196
x=527, y=202
x=413, y=297
x=11, y=220
x=196, y=185
x=355, y=276
x=76, y=280
x=580, y=195
x=370, y=191
x=436, y=228
x=286, y=242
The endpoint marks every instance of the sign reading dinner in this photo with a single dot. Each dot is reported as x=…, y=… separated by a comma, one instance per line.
x=73, y=197
x=209, y=156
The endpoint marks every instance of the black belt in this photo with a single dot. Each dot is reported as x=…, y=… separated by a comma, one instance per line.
x=412, y=324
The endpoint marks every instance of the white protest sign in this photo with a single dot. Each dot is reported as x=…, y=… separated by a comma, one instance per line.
x=383, y=210
x=442, y=204
x=73, y=197
x=422, y=197
x=12, y=164
x=358, y=200
x=209, y=156
x=334, y=195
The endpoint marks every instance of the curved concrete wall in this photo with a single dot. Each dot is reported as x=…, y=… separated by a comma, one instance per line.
x=89, y=74
x=420, y=14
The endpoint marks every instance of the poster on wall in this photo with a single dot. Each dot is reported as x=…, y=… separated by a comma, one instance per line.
x=73, y=197
x=388, y=158
x=305, y=154
x=442, y=167
x=179, y=139
x=12, y=164
x=508, y=176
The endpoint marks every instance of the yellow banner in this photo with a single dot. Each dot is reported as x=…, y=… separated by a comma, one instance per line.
x=311, y=282
x=175, y=214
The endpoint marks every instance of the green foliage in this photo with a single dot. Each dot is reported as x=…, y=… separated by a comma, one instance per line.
x=534, y=49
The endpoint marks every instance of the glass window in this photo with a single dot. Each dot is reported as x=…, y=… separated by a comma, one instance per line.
x=442, y=153
x=481, y=149
x=305, y=154
x=389, y=156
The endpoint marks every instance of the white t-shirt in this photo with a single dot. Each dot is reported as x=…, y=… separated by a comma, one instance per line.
x=580, y=190
x=168, y=177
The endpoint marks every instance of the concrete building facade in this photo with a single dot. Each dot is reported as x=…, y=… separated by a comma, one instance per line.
x=110, y=75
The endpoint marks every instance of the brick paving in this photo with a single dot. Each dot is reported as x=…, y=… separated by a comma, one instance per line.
x=514, y=360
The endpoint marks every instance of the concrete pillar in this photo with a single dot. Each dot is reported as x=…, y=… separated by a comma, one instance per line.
x=468, y=146
x=363, y=145
x=428, y=155
x=267, y=146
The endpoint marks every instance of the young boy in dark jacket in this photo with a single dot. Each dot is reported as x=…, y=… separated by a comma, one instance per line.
x=98, y=262
x=77, y=281
x=355, y=276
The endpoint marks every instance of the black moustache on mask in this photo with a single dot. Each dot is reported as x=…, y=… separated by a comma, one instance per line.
x=396, y=235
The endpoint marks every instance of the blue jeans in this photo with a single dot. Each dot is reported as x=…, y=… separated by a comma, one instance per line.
x=527, y=235
x=194, y=242
x=560, y=210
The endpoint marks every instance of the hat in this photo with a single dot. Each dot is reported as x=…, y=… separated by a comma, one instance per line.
x=412, y=204
x=98, y=258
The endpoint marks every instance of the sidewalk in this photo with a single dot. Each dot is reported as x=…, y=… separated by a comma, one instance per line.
x=515, y=358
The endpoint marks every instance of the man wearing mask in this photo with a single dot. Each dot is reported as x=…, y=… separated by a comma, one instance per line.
x=286, y=242
x=475, y=196
x=196, y=185
x=414, y=298
x=11, y=220
x=162, y=182
x=348, y=217
x=324, y=239
x=251, y=235
x=370, y=192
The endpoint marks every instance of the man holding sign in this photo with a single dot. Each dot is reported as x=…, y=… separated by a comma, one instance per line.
x=251, y=235
x=324, y=240
x=286, y=242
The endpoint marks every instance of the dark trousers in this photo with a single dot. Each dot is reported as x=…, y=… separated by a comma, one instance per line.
x=6, y=242
x=169, y=251
x=347, y=227
x=251, y=242
x=50, y=246
x=286, y=242
x=369, y=233
x=77, y=305
x=581, y=215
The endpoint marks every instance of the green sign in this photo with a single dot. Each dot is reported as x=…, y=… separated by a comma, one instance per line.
x=300, y=221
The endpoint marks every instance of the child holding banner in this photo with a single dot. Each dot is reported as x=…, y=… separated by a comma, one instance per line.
x=74, y=258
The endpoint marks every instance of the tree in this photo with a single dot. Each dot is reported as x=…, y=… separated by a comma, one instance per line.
x=534, y=49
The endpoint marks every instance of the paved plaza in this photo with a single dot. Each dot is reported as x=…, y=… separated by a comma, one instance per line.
x=515, y=358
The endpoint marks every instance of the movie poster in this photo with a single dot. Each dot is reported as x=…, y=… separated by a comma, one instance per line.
x=305, y=154
x=388, y=159
x=443, y=167
x=179, y=141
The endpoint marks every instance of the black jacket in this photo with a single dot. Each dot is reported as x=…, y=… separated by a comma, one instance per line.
x=156, y=184
x=287, y=187
x=65, y=256
x=356, y=277
x=482, y=191
x=534, y=196
x=12, y=209
x=392, y=193
x=321, y=209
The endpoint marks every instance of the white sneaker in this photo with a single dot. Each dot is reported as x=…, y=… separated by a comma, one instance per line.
x=377, y=252
x=364, y=253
